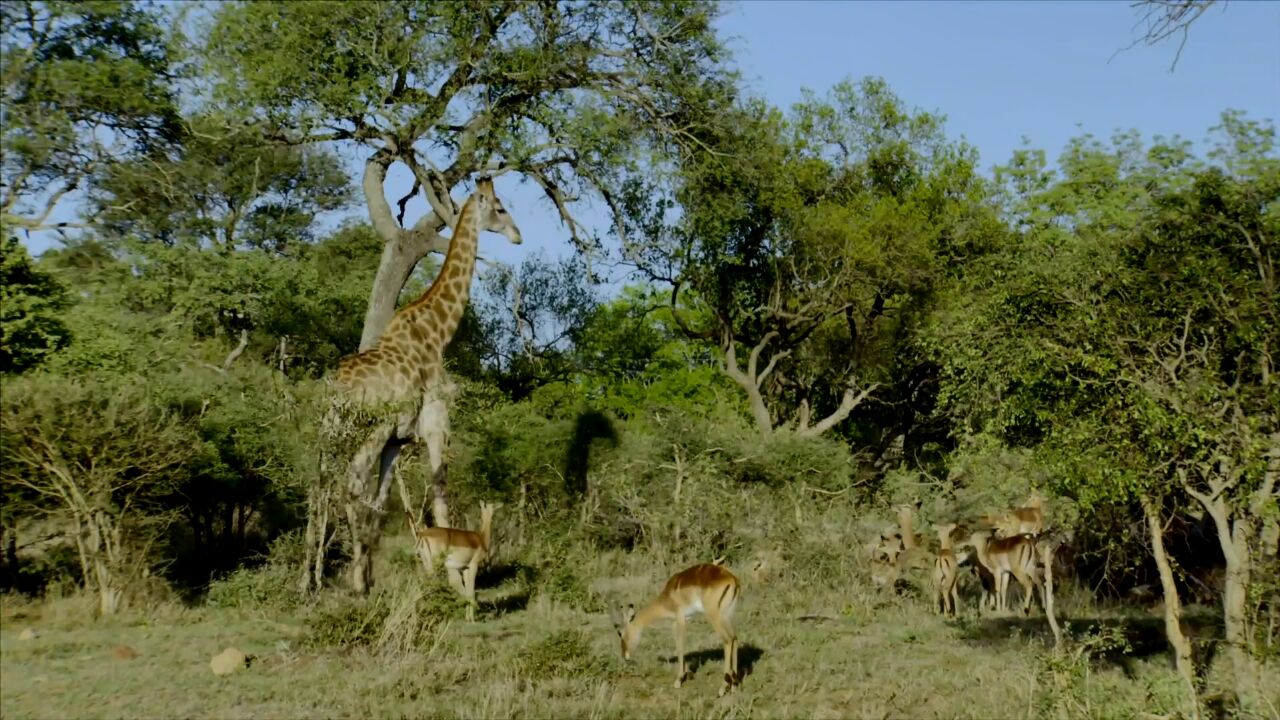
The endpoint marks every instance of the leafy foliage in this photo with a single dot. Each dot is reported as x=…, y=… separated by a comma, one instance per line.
x=31, y=302
x=83, y=83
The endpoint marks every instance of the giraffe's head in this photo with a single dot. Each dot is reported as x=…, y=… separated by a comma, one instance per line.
x=493, y=217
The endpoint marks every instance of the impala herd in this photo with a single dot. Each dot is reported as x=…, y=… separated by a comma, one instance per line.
x=1013, y=544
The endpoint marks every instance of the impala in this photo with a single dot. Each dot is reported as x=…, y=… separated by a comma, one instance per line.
x=1025, y=520
x=1028, y=519
x=914, y=554
x=707, y=588
x=946, y=571
x=463, y=551
x=884, y=558
x=1003, y=557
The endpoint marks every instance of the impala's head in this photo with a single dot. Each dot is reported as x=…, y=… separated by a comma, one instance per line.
x=890, y=545
x=493, y=216
x=944, y=532
x=628, y=631
x=486, y=512
x=976, y=539
x=1034, y=500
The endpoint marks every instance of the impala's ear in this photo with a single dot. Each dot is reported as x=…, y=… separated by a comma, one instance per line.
x=631, y=613
x=615, y=617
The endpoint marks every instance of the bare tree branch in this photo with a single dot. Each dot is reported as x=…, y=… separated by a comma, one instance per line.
x=1164, y=19
x=848, y=403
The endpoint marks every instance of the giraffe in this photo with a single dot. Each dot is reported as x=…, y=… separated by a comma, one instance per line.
x=399, y=389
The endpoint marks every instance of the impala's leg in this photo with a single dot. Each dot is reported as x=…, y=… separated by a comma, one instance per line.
x=455, y=581
x=678, y=627
x=428, y=558
x=732, y=678
x=469, y=577
x=955, y=597
x=724, y=628
x=1028, y=590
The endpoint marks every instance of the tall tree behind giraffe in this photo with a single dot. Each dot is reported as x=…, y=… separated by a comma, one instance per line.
x=386, y=396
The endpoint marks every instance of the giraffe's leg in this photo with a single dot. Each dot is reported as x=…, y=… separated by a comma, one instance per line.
x=433, y=432
x=386, y=463
x=363, y=513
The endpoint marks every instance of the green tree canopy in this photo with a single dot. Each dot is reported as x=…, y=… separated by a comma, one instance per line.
x=31, y=301
x=83, y=83
x=569, y=95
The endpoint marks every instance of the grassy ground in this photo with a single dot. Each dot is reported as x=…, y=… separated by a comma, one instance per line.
x=809, y=650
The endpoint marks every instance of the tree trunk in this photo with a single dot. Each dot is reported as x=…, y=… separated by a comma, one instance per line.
x=314, y=544
x=751, y=379
x=99, y=558
x=1046, y=557
x=1234, y=541
x=1172, y=607
x=401, y=250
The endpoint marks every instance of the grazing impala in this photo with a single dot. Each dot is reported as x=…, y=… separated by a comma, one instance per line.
x=946, y=571
x=709, y=589
x=884, y=558
x=1003, y=557
x=463, y=551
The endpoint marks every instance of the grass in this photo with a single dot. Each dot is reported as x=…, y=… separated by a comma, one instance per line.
x=834, y=649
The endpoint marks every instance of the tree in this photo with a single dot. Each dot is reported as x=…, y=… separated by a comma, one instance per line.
x=533, y=316
x=810, y=242
x=1129, y=338
x=75, y=443
x=559, y=93
x=208, y=192
x=31, y=301
x=566, y=95
x=84, y=83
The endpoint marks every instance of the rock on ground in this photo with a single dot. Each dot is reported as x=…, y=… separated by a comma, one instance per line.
x=228, y=661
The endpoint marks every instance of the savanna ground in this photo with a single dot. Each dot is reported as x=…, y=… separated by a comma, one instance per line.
x=817, y=641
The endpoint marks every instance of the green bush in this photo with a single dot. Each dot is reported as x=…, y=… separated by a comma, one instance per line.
x=786, y=458
x=396, y=619
x=564, y=654
x=271, y=586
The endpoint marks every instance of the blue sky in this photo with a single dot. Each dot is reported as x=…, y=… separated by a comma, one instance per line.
x=999, y=72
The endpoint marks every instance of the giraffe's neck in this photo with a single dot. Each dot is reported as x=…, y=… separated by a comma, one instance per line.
x=439, y=310
x=409, y=356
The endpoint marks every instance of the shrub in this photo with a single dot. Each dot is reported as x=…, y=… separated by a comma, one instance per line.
x=271, y=586
x=564, y=654
x=396, y=619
